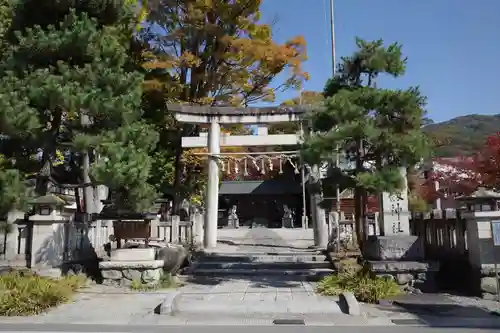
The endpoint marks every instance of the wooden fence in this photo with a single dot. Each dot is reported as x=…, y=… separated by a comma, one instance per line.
x=443, y=232
x=174, y=231
x=82, y=240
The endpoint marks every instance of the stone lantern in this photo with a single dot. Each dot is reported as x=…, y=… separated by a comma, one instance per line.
x=49, y=207
x=47, y=235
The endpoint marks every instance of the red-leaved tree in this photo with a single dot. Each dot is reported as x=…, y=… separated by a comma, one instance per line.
x=463, y=175
x=487, y=163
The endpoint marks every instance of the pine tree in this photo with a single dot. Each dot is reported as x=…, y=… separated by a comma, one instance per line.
x=376, y=130
x=66, y=87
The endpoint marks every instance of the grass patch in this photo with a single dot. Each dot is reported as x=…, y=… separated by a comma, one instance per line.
x=366, y=288
x=23, y=293
x=167, y=281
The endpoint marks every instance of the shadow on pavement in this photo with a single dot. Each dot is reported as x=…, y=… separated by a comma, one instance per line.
x=252, y=244
x=438, y=310
x=255, y=281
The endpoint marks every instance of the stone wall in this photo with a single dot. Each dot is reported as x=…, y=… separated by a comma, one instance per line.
x=411, y=276
x=124, y=273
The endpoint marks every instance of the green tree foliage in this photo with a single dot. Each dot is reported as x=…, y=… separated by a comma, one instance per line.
x=13, y=193
x=125, y=165
x=12, y=188
x=67, y=89
x=377, y=130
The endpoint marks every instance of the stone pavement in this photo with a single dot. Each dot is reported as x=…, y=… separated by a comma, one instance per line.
x=263, y=296
x=100, y=306
x=246, y=240
x=257, y=272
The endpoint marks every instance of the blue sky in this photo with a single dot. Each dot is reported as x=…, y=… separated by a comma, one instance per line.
x=453, y=46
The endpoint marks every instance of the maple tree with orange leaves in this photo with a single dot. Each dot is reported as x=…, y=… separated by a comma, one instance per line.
x=210, y=52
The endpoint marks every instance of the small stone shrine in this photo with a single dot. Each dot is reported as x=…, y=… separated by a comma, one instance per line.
x=395, y=253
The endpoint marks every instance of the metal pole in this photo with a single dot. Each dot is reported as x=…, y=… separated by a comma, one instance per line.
x=332, y=26
x=337, y=155
x=303, y=178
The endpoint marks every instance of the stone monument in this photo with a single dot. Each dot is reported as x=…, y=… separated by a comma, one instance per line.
x=396, y=253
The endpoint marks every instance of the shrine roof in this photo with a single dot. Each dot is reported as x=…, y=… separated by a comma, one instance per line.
x=237, y=111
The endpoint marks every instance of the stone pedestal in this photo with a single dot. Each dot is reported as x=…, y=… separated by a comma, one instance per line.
x=414, y=276
x=287, y=222
x=401, y=258
x=132, y=265
x=123, y=273
x=233, y=222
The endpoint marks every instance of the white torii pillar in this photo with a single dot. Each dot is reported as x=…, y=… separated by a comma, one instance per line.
x=212, y=194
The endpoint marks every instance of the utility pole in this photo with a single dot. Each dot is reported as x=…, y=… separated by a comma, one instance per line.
x=337, y=155
x=332, y=28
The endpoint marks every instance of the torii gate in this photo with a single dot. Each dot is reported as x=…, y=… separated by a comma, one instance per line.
x=214, y=116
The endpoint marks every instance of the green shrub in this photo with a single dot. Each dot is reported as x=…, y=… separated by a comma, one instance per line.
x=24, y=293
x=366, y=288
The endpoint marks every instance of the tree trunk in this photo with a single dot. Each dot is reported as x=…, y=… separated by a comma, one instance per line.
x=88, y=191
x=358, y=199
x=366, y=226
x=176, y=204
x=358, y=218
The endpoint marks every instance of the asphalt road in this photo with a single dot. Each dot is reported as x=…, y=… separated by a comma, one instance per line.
x=69, y=328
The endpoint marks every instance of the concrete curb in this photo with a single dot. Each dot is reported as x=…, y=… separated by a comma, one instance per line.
x=168, y=305
x=349, y=304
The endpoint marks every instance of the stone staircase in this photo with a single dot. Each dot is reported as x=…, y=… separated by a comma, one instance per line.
x=300, y=265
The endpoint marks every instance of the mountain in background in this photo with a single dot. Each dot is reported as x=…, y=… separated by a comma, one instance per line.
x=462, y=136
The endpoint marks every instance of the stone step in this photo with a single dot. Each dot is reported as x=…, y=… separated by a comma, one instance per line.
x=237, y=257
x=314, y=274
x=267, y=253
x=253, y=305
x=262, y=265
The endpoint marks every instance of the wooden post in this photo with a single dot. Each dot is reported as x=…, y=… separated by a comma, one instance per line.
x=198, y=229
x=176, y=219
x=153, y=229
